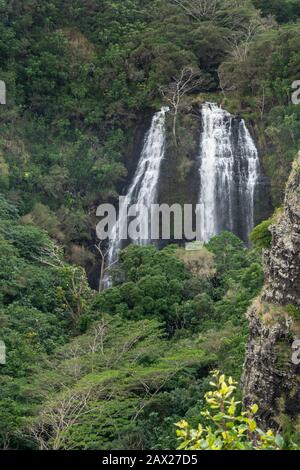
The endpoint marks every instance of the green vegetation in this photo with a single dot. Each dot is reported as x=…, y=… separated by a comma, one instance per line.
x=81, y=76
x=294, y=312
x=83, y=80
x=121, y=366
x=283, y=10
x=226, y=429
x=261, y=236
x=263, y=81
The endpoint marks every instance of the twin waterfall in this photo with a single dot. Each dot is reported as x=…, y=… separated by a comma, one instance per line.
x=229, y=171
x=229, y=168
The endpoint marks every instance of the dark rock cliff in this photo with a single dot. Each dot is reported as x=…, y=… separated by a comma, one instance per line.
x=271, y=379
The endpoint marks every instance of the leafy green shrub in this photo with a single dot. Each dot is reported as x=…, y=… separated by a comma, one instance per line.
x=224, y=427
x=261, y=236
x=294, y=311
x=283, y=10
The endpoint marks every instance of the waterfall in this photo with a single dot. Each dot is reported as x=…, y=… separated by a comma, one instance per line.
x=229, y=171
x=143, y=189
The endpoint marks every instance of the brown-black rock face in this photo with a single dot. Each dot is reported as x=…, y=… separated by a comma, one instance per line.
x=283, y=261
x=271, y=379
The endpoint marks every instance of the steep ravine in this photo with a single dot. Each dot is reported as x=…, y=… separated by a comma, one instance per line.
x=271, y=379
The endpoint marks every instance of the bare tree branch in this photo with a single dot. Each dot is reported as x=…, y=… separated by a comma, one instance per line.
x=97, y=342
x=103, y=267
x=198, y=9
x=187, y=81
x=241, y=40
x=56, y=419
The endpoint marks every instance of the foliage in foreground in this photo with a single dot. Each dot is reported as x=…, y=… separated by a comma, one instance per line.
x=261, y=236
x=225, y=428
x=122, y=366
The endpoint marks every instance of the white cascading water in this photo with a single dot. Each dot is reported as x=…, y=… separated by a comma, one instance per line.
x=143, y=189
x=229, y=171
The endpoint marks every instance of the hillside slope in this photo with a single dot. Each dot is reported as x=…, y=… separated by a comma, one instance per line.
x=271, y=379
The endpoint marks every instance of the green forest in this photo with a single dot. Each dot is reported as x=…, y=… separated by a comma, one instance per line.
x=130, y=367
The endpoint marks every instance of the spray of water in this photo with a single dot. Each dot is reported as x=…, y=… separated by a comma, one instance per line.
x=229, y=171
x=143, y=189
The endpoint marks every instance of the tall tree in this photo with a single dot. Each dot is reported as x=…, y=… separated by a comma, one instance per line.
x=187, y=81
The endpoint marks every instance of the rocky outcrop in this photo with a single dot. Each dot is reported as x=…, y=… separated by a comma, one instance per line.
x=283, y=261
x=271, y=379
